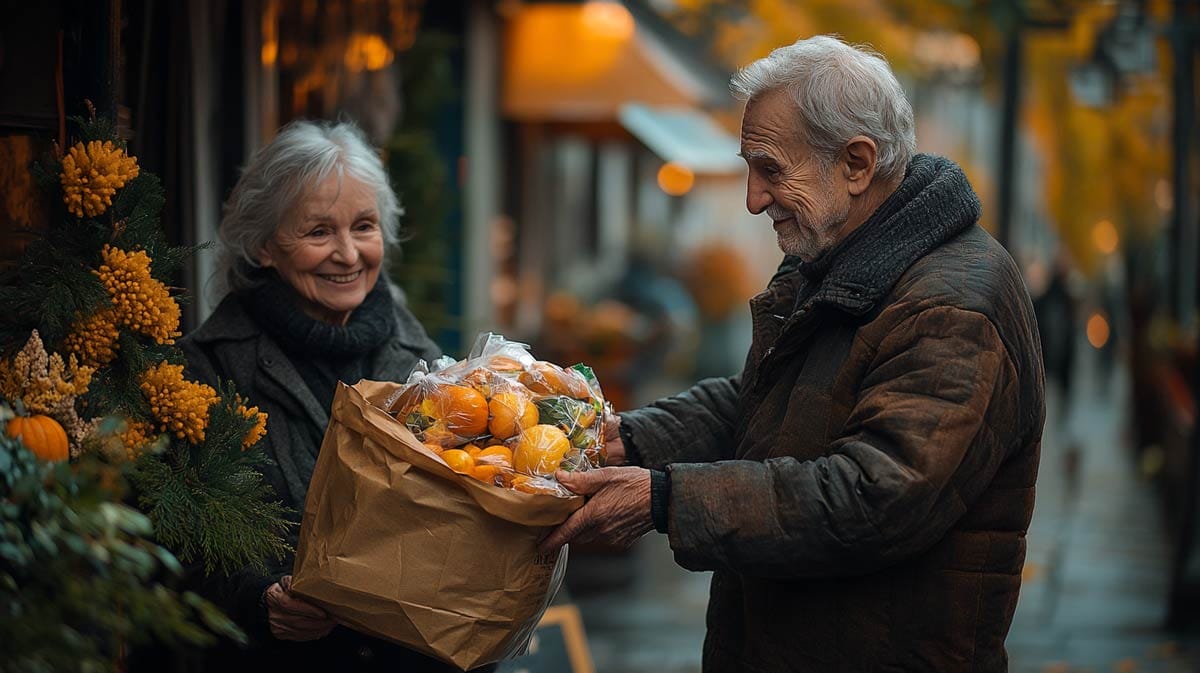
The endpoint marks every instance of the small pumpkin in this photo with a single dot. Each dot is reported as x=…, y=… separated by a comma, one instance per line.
x=42, y=435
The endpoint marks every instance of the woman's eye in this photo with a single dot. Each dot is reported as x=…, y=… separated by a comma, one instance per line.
x=317, y=233
x=365, y=225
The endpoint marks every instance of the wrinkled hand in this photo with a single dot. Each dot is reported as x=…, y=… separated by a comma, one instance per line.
x=617, y=510
x=293, y=618
x=614, y=448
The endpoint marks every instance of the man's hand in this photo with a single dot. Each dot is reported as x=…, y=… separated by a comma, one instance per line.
x=614, y=448
x=293, y=618
x=617, y=511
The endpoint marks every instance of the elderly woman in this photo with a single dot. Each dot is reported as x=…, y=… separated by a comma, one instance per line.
x=301, y=261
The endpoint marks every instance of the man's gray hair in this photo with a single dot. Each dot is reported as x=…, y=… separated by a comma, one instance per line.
x=840, y=91
x=301, y=156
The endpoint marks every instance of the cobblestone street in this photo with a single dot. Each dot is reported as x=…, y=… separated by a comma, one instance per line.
x=1093, y=599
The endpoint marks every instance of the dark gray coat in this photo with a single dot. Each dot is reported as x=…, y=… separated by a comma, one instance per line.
x=230, y=346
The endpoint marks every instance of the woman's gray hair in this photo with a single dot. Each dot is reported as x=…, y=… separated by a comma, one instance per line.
x=840, y=91
x=302, y=155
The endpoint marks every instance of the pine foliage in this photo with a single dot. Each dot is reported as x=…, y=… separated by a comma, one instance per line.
x=199, y=511
x=205, y=500
x=79, y=579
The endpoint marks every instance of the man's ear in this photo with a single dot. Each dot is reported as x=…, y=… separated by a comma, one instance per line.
x=859, y=166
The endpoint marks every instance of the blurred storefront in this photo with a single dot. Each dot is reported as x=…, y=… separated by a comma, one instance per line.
x=621, y=169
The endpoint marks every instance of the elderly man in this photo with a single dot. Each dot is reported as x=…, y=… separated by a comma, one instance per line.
x=862, y=489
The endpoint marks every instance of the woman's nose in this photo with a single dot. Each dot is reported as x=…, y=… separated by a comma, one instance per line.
x=344, y=250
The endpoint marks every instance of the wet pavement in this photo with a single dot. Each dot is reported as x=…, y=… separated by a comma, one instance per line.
x=1093, y=598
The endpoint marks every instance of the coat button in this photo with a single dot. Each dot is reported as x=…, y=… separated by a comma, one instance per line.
x=268, y=362
x=365, y=653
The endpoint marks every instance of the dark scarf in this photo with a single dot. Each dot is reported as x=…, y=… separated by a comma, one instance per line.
x=933, y=203
x=322, y=353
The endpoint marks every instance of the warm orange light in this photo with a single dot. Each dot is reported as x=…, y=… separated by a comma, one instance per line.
x=1105, y=237
x=270, y=50
x=675, y=179
x=609, y=19
x=1097, y=330
x=367, y=51
x=552, y=44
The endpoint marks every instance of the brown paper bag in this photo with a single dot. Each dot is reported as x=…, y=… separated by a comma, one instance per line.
x=395, y=544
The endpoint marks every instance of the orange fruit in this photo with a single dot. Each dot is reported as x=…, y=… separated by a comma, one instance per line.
x=464, y=410
x=439, y=435
x=527, y=484
x=485, y=473
x=547, y=378
x=472, y=449
x=540, y=450
x=510, y=413
x=477, y=377
x=437, y=450
x=459, y=460
x=495, y=455
x=503, y=363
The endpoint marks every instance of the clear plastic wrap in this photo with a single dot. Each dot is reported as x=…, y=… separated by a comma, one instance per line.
x=505, y=418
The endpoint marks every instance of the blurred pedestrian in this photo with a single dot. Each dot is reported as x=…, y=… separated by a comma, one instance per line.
x=1055, y=311
x=862, y=489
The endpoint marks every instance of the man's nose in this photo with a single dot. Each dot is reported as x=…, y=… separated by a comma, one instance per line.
x=757, y=197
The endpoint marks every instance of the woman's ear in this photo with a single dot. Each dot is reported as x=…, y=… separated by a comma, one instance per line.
x=264, y=256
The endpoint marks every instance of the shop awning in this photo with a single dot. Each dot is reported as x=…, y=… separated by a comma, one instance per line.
x=582, y=62
x=684, y=136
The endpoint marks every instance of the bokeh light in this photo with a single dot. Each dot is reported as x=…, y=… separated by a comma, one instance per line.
x=675, y=179
x=1097, y=330
x=1105, y=237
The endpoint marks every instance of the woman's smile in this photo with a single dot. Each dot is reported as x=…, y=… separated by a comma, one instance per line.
x=342, y=279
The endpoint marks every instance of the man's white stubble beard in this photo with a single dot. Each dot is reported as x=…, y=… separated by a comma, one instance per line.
x=803, y=238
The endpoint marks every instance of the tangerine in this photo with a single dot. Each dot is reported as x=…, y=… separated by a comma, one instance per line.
x=495, y=455
x=511, y=413
x=439, y=435
x=527, y=484
x=459, y=460
x=464, y=410
x=540, y=450
x=503, y=363
x=547, y=378
x=485, y=473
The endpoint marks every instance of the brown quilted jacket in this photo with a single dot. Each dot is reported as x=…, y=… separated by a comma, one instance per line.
x=863, y=488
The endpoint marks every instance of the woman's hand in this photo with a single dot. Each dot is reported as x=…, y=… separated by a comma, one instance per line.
x=293, y=618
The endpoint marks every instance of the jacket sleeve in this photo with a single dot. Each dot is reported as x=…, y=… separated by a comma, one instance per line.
x=916, y=450
x=238, y=594
x=695, y=426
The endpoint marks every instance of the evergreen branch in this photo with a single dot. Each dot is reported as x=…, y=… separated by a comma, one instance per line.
x=78, y=574
x=217, y=515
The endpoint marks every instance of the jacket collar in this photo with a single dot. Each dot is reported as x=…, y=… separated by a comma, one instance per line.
x=933, y=204
x=230, y=321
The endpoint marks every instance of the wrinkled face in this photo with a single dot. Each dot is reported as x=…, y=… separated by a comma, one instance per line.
x=329, y=247
x=807, y=203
